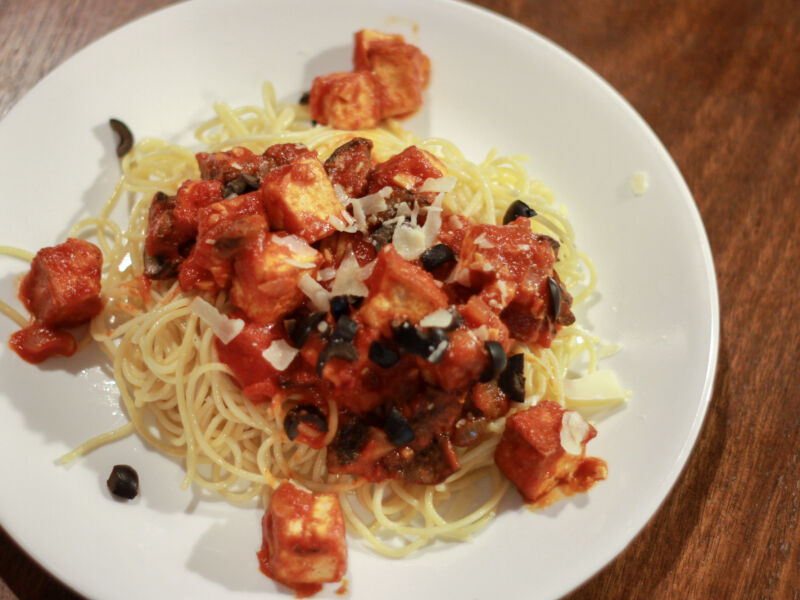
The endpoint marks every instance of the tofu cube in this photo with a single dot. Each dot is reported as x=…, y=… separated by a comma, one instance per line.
x=304, y=536
x=531, y=455
x=346, y=100
x=399, y=291
x=267, y=273
x=299, y=198
x=402, y=70
x=62, y=289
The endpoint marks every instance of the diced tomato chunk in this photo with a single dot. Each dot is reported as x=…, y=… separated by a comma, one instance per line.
x=244, y=355
x=37, y=343
x=408, y=170
x=303, y=537
x=346, y=100
x=62, y=289
x=222, y=230
x=192, y=196
x=530, y=454
x=267, y=273
x=299, y=198
x=398, y=291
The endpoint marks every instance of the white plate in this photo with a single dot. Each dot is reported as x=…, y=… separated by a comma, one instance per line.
x=495, y=84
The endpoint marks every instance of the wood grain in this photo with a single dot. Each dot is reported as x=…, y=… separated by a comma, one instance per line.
x=719, y=82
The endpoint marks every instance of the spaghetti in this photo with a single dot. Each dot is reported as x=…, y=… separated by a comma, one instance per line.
x=182, y=399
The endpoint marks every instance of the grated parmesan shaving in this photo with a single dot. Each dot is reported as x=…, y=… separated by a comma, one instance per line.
x=297, y=246
x=319, y=296
x=573, y=432
x=279, y=354
x=348, y=280
x=438, y=318
x=223, y=327
x=438, y=184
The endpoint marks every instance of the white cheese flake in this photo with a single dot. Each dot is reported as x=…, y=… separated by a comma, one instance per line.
x=223, y=327
x=409, y=240
x=326, y=274
x=438, y=184
x=639, y=182
x=433, y=221
x=598, y=388
x=348, y=279
x=299, y=248
x=574, y=429
x=319, y=296
x=439, y=318
x=279, y=354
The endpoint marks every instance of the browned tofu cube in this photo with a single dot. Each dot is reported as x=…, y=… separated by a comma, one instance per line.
x=346, y=100
x=532, y=456
x=365, y=40
x=299, y=198
x=304, y=537
x=62, y=289
x=399, y=291
x=267, y=273
x=402, y=70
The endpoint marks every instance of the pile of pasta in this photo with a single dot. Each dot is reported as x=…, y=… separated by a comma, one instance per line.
x=183, y=401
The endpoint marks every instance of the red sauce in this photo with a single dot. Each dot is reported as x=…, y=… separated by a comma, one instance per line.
x=36, y=343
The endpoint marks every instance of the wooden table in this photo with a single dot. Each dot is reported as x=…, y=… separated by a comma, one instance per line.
x=719, y=82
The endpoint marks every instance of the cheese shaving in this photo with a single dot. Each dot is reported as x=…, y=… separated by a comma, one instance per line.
x=573, y=432
x=223, y=327
x=279, y=354
x=438, y=184
x=348, y=280
x=319, y=296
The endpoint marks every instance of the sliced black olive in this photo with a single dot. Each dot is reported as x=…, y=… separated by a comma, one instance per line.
x=517, y=209
x=304, y=98
x=340, y=305
x=382, y=356
x=123, y=482
x=124, y=135
x=397, y=428
x=429, y=344
x=512, y=379
x=345, y=330
x=497, y=361
x=436, y=256
x=336, y=349
x=555, y=298
x=456, y=322
x=304, y=413
x=304, y=327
